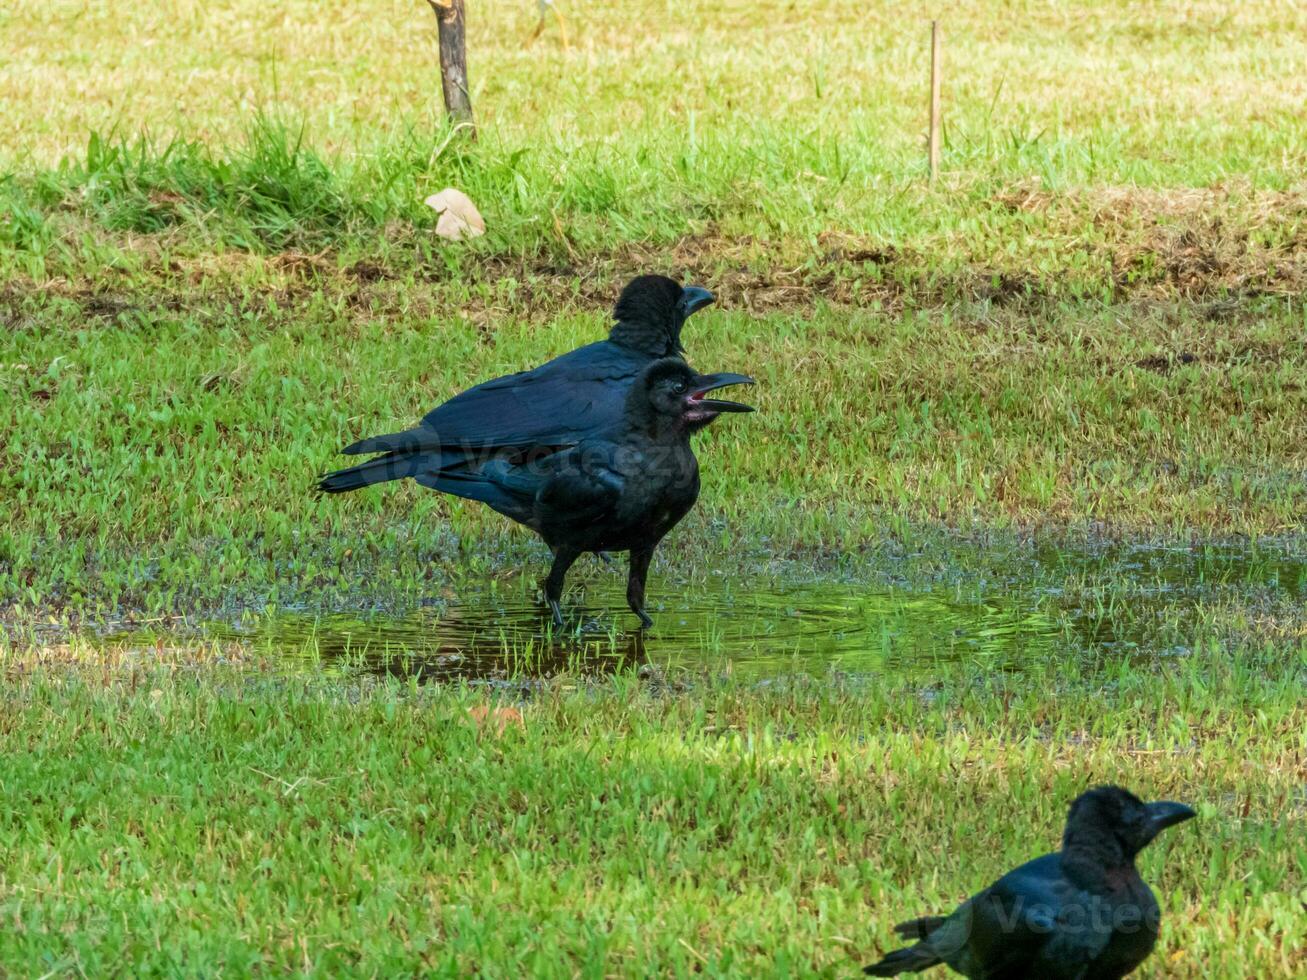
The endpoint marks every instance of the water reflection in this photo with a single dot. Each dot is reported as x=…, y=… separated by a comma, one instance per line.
x=811, y=627
x=1004, y=611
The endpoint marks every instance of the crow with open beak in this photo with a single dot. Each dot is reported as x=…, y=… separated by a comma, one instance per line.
x=621, y=490
x=573, y=397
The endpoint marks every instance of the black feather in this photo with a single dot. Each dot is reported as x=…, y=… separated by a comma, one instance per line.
x=919, y=928
x=647, y=317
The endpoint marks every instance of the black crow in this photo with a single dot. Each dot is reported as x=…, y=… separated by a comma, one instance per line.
x=557, y=404
x=1082, y=913
x=620, y=490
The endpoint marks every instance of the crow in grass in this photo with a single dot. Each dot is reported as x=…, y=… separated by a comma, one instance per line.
x=1082, y=913
x=620, y=490
x=558, y=404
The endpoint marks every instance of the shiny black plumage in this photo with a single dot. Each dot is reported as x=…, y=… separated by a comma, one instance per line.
x=570, y=398
x=1082, y=913
x=620, y=490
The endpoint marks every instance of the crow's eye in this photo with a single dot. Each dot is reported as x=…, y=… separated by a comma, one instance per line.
x=679, y=388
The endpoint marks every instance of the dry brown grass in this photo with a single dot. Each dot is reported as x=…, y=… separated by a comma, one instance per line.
x=355, y=69
x=1192, y=242
x=1217, y=246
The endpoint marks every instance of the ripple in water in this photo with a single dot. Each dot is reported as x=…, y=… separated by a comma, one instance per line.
x=1027, y=613
x=808, y=628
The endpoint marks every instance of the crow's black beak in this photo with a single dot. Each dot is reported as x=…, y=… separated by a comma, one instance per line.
x=711, y=382
x=1164, y=813
x=693, y=298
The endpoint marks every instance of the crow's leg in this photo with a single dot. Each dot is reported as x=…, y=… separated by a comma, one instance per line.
x=563, y=559
x=640, y=559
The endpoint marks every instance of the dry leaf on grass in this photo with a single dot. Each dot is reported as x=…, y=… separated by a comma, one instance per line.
x=459, y=217
x=484, y=716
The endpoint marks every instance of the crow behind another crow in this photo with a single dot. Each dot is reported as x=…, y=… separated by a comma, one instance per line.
x=621, y=490
x=557, y=404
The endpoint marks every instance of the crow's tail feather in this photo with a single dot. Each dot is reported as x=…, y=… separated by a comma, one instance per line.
x=415, y=440
x=912, y=959
x=919, y=928
x=391, y=466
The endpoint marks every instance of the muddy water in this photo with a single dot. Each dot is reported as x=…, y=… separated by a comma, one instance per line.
x=1041, y=604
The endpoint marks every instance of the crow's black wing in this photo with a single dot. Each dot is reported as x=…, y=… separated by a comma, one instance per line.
x=1080, y=935
x=568, y=487
x=1010, y=926
x=556, y=404
x=510, y=487
x=582, y=490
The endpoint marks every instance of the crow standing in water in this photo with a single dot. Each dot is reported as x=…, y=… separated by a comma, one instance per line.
x=1080, y=914
x=620, y=490
x=559, y=403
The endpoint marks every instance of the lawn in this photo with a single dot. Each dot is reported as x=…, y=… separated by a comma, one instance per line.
x=185, y=821
x=216, y=269
x=1092, y=320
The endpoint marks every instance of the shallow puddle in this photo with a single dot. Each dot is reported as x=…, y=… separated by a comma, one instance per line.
x=799, y=628
x=1050, y=604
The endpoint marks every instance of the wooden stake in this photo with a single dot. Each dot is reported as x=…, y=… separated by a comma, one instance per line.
x=935, y=69
x=453, y=62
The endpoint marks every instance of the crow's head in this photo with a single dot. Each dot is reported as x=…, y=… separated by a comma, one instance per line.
x=671, y=390
x=1110, y=818
x=651, y=311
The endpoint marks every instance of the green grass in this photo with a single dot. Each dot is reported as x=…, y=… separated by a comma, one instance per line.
x=1093, y=321
x=216, y=269
x=661, y=122
x=183, y=823
x=155, y=458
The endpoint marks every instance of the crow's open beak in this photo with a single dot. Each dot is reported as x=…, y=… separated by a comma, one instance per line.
x=693, y=298
x=1164, y=813
x=711, y=382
